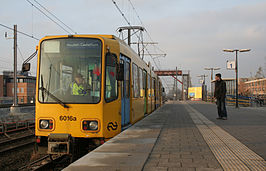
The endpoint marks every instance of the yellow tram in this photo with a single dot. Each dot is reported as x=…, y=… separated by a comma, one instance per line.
x=89, y=88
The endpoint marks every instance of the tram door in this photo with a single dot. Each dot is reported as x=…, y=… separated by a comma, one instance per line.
x=125, y=101
x=155, y=93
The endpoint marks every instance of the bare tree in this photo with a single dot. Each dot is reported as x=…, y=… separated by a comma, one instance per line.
x=259, y=74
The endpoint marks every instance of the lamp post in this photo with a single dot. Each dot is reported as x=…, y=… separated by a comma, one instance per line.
x=15, y=97
x=236, y=67
x=212, y=69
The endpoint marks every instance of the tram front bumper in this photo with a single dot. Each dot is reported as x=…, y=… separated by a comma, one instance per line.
x=59, y=143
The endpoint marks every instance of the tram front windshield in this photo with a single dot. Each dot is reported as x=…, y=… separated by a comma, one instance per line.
x=70, y=70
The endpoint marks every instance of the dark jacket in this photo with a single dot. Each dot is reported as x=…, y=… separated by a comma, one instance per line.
x=220, y=89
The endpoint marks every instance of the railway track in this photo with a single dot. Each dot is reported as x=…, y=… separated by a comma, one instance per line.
x=47, y=162
x=18, y=141
x=15, y=142
x=54, y=162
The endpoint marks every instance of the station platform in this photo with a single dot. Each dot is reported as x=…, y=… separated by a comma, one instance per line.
x=185, y=136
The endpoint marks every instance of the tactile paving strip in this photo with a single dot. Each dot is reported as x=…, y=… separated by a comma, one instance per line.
x=230, y=153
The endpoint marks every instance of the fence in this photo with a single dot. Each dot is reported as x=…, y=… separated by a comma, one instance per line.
x=22, y=100
x=245, y=101
x=8, y=127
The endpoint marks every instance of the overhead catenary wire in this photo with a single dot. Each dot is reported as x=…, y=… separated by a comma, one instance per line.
x=21, y=56
x=55, y=16
x=136, y=12
x=48, y=16
x=25, y=34
x=128, y=22
x=141, y=22
x=123, y=15
x=32, y=20
x=133, y=7
x=2, y=60
x=125, y=18
x=117, y=7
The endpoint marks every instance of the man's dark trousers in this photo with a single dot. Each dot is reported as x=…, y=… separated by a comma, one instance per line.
x=221, y=107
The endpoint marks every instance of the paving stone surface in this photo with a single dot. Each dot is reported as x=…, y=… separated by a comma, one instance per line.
x=246, y=124
x=180, y=146
x=127, y=151
x=169, y=140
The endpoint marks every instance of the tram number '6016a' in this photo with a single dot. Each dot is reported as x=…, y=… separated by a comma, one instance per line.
x=67, y=118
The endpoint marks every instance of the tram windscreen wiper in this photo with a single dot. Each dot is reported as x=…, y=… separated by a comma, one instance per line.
x=53, y=97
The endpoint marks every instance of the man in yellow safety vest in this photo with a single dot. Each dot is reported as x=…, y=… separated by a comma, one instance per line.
x=77, y=87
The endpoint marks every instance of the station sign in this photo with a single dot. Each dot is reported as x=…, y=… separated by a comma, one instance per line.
x=231, y=65
x=169, y=72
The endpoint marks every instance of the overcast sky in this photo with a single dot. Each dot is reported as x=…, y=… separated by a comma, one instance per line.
x=191, y=32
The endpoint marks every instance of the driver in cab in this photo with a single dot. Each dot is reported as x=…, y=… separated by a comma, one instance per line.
x=77, y=86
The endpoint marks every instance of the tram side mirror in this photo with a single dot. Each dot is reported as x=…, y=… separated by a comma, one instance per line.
x=120, y=72
x=163, y=90
x=25, y=67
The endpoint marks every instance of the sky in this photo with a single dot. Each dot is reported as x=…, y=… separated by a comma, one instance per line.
x=192, y=33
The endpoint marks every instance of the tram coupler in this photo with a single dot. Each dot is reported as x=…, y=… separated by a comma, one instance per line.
x=59, y=143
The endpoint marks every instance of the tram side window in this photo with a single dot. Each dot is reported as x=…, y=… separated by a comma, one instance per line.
x=136, y=81
x=157, y=88
x=111, y=91
x=153, y=86
x=144, y=83
x=127, y=79
x=149, y=85
x=141, y=82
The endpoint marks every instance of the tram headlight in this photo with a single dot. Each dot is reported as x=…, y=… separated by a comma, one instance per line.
x=90, y=125
x=93, y=125
x=46, y=124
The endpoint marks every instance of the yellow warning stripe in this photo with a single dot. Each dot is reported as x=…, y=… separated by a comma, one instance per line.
x=230, y=153
x=250, y=158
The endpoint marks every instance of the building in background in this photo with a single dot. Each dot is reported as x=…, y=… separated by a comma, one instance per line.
x=1, y=86
x=246, y=87
x=256, y=88
x=242, y=86
x=25, y=88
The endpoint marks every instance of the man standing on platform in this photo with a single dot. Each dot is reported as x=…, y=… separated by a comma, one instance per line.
x=219, y=95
